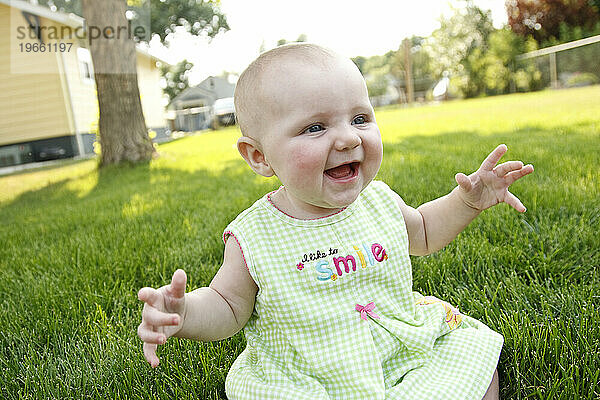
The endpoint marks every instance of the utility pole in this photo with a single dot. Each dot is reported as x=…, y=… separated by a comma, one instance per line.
x=408, y=72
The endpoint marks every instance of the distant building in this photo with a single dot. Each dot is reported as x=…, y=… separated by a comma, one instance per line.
x=52, y=114
x=191, y=110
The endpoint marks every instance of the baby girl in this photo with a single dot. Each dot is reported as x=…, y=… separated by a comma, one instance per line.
x=318, y=272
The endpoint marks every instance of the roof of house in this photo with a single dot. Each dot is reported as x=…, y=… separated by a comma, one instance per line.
x=69, y=19
x=212, y=88
x=63, y=18
x=220, y=86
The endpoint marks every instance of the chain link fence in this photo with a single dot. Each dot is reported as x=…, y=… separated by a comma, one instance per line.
x=570, y=64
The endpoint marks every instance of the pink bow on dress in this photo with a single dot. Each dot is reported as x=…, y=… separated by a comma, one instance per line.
x=366, y=310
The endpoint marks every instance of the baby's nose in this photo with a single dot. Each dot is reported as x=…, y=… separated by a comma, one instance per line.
x=347, y=139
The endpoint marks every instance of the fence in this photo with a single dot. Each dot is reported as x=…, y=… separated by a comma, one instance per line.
x=570, y=64
x=191, y=119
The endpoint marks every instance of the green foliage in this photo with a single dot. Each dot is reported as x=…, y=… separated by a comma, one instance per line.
x=528, y=78
x=482, y=60
x=458, y=46
x=176, y=78
x=497, y=64
x=198, y=17
x=458, y=36
x=421, y=64
x=568, y=33
x=376, y=71
x=583, y=79
x=479, y=59
x=381, y=71
x=65, y=6
x=301, y=38
x=360, y=62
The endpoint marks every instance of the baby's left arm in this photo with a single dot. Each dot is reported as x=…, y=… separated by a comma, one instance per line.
x=435, y=224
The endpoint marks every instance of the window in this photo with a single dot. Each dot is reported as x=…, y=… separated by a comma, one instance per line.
x=86, y=71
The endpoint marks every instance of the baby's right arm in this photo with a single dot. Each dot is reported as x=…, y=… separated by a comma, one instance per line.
x=209, y=313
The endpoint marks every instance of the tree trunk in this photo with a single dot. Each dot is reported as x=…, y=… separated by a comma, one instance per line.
x=122, y=128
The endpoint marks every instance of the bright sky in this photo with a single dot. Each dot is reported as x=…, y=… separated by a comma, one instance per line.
x=350, y=27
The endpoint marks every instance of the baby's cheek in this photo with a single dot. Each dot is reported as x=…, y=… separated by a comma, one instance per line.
x=373, y=153
x=306, y=159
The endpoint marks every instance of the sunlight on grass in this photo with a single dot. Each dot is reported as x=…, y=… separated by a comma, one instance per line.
x=210, y=151
x=547, y=109
x=139, y=205
x=80, y=174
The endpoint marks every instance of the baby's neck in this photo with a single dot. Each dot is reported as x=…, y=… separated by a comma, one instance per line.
x=297, y=209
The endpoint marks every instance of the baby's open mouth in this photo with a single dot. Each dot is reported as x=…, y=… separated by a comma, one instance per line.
x=343, y=171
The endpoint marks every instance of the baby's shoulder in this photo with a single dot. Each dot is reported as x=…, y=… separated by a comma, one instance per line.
x=250, y=215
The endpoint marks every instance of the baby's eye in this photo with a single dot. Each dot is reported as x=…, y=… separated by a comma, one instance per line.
x=359, y=120
x=314, y=128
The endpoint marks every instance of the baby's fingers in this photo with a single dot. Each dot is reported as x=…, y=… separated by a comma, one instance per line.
x=505, y=168
x=514, y=202
x=150, y=354
x=153, y=317
x=492, y=159
x=150, y=296
x=511, y=177
x=463, y=181
x=147, y=335
x=177, y=287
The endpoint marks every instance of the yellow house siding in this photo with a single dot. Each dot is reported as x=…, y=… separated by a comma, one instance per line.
x=150, y=91
x=31, y=105
x=59, y=101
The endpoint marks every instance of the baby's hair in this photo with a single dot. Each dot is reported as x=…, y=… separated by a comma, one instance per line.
x=248, y=86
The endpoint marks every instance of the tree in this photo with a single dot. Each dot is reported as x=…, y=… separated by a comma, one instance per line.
x=301, y=38
x=376, y=70
x=198, y=17
x=458, y=44
x=176, y=78
x=360, y=62
x=121, y=124
x=122, y=129
x=421, y=65
x=65, y=6
x=542, y=19
x=381, y=71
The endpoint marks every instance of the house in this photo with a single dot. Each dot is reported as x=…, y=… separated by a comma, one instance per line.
x=48, y=102
x=191, y=110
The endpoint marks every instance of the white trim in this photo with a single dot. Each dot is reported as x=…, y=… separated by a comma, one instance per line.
x=70, y=19
x=559, y=47
x=64, y=80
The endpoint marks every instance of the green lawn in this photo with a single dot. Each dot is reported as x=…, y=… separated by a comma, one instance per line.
x=77, y=244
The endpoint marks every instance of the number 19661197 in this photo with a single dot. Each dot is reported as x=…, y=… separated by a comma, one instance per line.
x=45, y=48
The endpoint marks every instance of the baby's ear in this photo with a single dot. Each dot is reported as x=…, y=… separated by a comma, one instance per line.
x=251, y=151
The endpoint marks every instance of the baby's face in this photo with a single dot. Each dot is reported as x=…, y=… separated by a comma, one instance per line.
x=319, y=134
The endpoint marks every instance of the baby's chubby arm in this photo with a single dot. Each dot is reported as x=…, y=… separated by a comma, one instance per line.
x=435, y=224
x=205, y=314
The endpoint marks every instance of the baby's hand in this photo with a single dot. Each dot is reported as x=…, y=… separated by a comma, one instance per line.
x=488, y=186
x=163, y=314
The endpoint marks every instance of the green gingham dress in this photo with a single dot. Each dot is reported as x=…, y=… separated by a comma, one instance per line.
x=335, y=315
